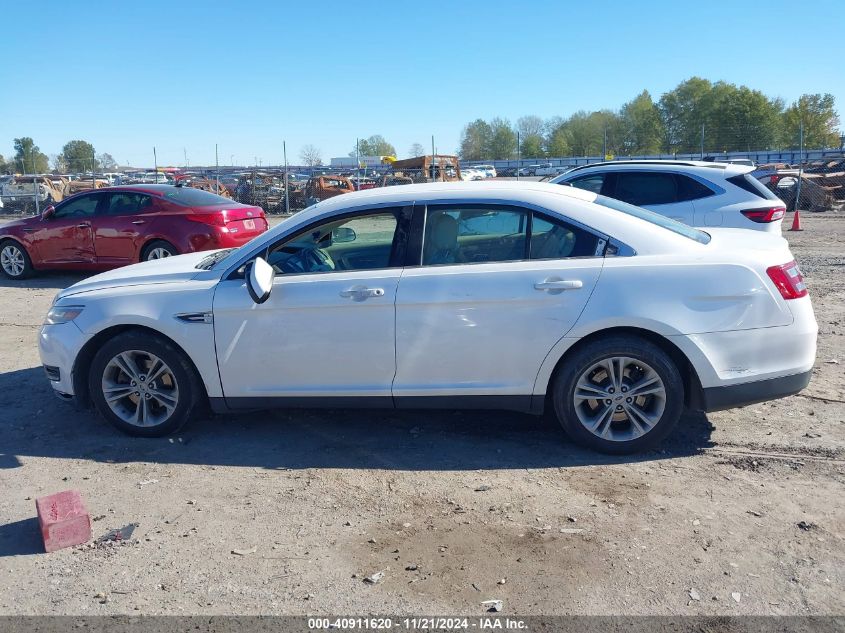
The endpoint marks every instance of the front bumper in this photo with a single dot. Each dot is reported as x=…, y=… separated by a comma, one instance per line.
x=731, y=396
x=58, y=346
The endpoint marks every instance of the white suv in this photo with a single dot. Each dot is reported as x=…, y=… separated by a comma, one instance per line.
x=697, y=193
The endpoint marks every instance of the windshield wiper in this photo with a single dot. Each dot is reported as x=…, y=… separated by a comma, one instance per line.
x=208, y=262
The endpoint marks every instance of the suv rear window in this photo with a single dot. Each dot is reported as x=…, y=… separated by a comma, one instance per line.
x=655, y=218
x=752, y=185
x=194, y=197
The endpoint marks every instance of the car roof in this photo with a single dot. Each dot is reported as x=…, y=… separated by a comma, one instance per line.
x=705, y=167
x=576, y=204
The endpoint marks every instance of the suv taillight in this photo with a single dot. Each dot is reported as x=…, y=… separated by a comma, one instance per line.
x=788, y=279
x=765, y=215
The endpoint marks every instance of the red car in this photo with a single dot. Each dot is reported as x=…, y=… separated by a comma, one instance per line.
x=107, y=228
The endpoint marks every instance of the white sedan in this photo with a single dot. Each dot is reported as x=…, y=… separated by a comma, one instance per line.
x=523, y=296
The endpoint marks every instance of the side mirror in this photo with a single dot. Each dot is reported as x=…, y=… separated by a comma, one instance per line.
x=343, y=234
x=48, y=213
x=259, y=279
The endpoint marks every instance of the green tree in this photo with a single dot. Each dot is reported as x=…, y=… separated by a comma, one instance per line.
x=683, y=110
x=583, y=134
x=531, y=136
x=642, y=128
x=557, y=140
x=79, y=156
x=502, y=140
x=375, y=145
x=818, y=114
x=5, y=167
x=28, y=157
x=475, y=140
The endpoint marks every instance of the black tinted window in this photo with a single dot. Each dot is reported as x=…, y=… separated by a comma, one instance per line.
x=642, y=188
x=691, y=189
x=194, y=197
x=81, y=207
x=592, y=182
x=127, y=203
x=752, y=185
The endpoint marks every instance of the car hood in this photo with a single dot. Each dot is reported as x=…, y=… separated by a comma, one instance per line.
x=159, y=271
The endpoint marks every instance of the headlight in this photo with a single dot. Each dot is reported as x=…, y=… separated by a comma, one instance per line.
x=62, y=314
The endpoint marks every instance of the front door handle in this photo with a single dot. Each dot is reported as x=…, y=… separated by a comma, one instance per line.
x=554, y=284
x=137, y=221
x=360, y=293
x=84, y=225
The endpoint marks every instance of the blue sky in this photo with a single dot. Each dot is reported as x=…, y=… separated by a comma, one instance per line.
x=247, y=75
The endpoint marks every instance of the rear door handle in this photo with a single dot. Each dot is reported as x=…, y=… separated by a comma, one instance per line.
x=84, y=225
x=551, y=284
x=360, y=293
x=137, y=221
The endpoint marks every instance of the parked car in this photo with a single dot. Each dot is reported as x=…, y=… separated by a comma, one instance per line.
x=471, y=173
x=520, y=296
x=106, y=228
x=547, y=169
x=488, y=171
x=324, y=187
x=697, y=193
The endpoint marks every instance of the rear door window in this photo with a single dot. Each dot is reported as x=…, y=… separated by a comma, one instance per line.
x=691, y=189
x=645, y=188
x=555, y=239
x=127, y=203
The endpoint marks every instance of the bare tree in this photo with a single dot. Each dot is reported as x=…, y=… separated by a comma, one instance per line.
x=310, y=155
x=416, y=150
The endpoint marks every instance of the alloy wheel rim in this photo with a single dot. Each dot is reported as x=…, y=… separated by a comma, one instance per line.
x=140, y=388
x=11, y=258
x=619, y=398
x=158, y=253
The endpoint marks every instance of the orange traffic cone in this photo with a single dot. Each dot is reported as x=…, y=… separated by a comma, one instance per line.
x=796, y=222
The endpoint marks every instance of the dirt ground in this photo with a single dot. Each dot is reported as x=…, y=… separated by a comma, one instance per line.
x=286, y=512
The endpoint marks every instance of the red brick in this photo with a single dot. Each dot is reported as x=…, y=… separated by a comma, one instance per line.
x=63, y=519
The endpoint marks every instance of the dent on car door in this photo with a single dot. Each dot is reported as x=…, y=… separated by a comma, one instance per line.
x=467, y=325
x=67, y=237
x=328, y=327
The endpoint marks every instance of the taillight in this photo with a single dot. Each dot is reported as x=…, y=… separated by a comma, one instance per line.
x=214, y=219
x=788, y=279
x=774, y=179
x=765, y=215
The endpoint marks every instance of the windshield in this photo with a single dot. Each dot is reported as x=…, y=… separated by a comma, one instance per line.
x=654, y=218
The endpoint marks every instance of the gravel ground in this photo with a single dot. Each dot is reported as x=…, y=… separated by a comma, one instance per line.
x=288, y=512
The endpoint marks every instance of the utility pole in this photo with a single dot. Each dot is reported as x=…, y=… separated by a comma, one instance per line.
x=155, y=163
x=604, y=145
x=518, y=154
x=185, y=154
x=433, y=154
x=357, y=160
x=702, y=141
x=287, y=198
x=800, y=164
x=93, y=165
x=217, y=168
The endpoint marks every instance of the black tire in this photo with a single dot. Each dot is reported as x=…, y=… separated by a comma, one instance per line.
x=582, y=362
x=190, y=390
x=15, y=247
x=154, y=246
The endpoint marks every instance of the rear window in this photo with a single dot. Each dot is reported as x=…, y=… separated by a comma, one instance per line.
x=752, y=185
x=654, y=218
x=195, y=197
